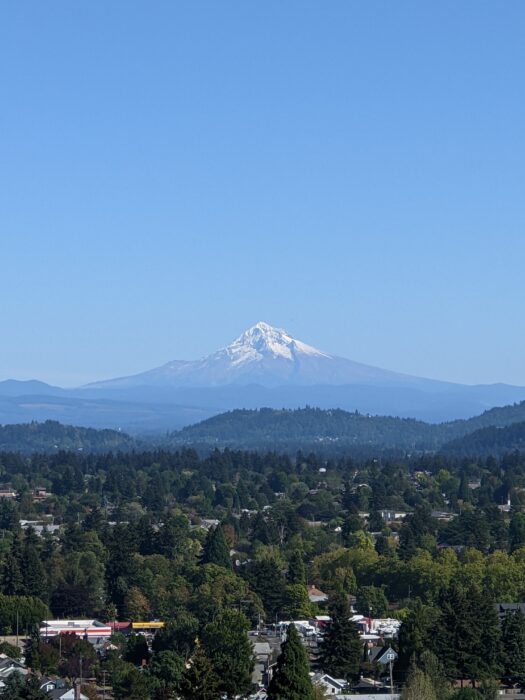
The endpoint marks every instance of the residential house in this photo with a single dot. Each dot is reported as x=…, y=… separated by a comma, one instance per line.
x=315, y=595
x=392, y=516
x=382, y=655
x=8, y=666
x=332, y=686
x=503, y=608
x=39, y=526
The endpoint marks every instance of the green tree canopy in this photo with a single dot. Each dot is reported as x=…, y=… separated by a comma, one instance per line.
x=341, y=650
x=291, y=680
x=215, y=549
x=199, y=679
x=226, y=643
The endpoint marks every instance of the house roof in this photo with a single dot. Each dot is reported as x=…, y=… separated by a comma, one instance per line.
x=326, y=679
x=65, y=693
x=262, y=649
x=381, y=655
x=313, y=590
x=9, y=665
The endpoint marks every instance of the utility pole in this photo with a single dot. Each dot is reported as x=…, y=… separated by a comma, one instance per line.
x=104, y=672
x=390, y=659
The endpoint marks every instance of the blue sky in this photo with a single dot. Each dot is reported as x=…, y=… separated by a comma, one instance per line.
x=173, y=172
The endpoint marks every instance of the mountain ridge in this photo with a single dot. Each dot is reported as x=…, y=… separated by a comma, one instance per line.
x=263, y=367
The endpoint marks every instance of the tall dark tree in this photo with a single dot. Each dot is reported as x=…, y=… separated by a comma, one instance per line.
x=417, y=532
x=464, y=491
x=291, y=680
x=166, y=669
x=415, y=634
x=226, y=643
x=12, y=581
x=513, y=639
x=136, y=650
x=178, y=635
x=199, y=679
x=467, y=637
x=266, y=580
x=341, y=650
x=215, y=549
x=296, y=570
x=33, y=573
x=517, y=531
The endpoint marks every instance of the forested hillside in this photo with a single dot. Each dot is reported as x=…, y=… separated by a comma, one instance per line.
x=51, y=436
x=334, y=430
x=494, y=440
x=267, y=426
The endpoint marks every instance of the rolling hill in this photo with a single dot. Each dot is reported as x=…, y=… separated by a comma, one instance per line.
x=312, y=427
x=52, y=436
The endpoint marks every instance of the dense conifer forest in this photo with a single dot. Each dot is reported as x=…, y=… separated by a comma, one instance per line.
x=218, y=544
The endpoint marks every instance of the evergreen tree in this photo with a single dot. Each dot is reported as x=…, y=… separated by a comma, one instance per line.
x=166, y=669
x=296, y=570
x=513, y=639
x=291, y=680
x=418, y=531
x=16, y=687
x=265, y=579
x=415, y=634
x=133, y=684
x=467, y=637
x=375, y=522
x=296, y=605
x=33, y=573
x=517, y=531
x=178, y=635
x=199, y=679
x=12, y=581
x=341, y=650
x=464, y=491
x=136, y=650
x=226, y=643
x=215, y=549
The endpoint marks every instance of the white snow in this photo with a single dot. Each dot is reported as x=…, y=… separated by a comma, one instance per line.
x=264, y=340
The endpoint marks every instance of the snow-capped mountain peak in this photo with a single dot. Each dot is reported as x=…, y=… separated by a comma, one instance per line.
x=263, y=340
x=262, y=355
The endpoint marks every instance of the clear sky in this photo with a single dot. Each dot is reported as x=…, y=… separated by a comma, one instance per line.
x=172, y=172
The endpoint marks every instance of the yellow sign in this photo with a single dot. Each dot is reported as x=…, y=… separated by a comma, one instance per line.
x=147, y=625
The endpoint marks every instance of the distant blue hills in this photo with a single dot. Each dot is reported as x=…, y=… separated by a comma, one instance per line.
x=263, y=367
